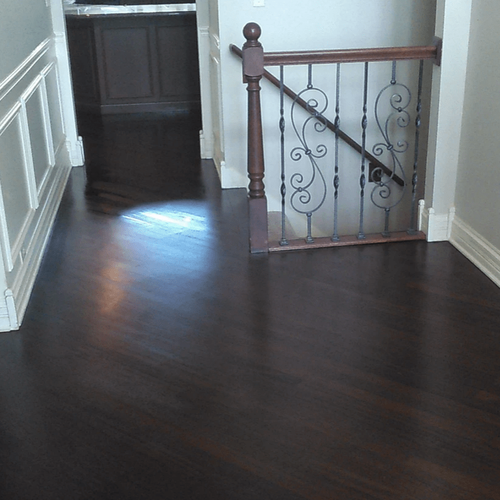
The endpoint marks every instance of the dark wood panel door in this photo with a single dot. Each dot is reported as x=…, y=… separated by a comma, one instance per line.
x=127, y=58
x=83, y=63
x=135, y=63
x=178, y=69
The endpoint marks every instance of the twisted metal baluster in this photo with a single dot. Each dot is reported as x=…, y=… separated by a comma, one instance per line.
x=362, y=179
x=336, y=178
x=414, y=179
x=283, y=241
x=309, y=238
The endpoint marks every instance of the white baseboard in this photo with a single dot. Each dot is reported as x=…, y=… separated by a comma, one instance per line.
x=15, y=300
x=25, y=280
x=76, y=152
x=206, y=147
x=230, y=177
x=437, y=227
x=477, y=249
x=8, y=315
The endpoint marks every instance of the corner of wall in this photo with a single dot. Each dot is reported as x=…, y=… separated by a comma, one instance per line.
x=206, y=146
x=8, y=315
x=477, y=249
x=76, y=154
x=436, y=226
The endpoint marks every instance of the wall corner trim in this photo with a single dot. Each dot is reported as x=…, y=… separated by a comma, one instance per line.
x=11, y=309
x=477, y=249
x=76, y=152
x=436, y=226
x=206, y=146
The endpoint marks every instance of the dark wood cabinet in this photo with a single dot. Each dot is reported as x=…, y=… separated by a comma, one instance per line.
x=134, y=62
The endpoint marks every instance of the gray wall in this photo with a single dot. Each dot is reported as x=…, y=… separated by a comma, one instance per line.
x=478, y=181
x=23, y=25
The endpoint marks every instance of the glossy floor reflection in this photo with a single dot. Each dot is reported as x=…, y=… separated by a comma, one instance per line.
x=141, y=158
x=159, y=360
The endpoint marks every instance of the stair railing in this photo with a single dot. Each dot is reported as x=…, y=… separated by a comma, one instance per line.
x=375, y=162
x=254, y=60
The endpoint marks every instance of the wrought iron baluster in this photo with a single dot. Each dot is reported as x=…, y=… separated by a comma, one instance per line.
x=399, y=100
x=387, y=210
x=309, y=238
x=306, y=183
x=414, y=179
x=336, y=178
x=284, y=240
x=362, y=179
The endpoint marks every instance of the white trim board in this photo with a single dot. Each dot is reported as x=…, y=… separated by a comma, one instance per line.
x=477, y=249
x=22, y=70
x=437, y=227
x=25, y=280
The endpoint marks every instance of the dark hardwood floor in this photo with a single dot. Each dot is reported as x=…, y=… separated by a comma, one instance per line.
x=158, y=359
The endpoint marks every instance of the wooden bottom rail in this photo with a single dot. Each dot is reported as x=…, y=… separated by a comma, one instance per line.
x=326, y=242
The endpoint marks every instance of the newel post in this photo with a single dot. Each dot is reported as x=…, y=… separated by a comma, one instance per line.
x=253, y=69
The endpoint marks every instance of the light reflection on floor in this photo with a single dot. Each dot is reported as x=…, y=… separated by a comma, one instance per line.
x=167, y=218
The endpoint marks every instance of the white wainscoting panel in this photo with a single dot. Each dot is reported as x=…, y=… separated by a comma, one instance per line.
x=35, y=161
x=51, y=74
x=16, y=208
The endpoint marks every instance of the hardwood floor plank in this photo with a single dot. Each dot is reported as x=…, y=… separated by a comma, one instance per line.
x=158, y=359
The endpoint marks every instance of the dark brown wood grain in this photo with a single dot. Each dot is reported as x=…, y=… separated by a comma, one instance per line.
x=134, y=63
x=352, y=55
x=257, y=203
x=159, y=360
x=324, y=242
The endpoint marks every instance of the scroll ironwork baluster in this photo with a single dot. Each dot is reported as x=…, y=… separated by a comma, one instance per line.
x=362, y=179
x=305, y=184
x=414, y=179
x=400, y=98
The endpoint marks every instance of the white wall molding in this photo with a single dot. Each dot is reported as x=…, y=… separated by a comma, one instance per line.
x=74, y=143
x=436, y=226
x=75, y=152
x=10, y=251
x=206, y=145
x=215, y=41
x=25, y=279
x=11, y=309
x=447, y=102
x=49, y=140
x=22, y=70
x=8, y=315
x=477, y=249
x=28, y=164
x=206, y=134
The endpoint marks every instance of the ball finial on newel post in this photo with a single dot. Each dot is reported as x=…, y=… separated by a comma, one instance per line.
x=252, y=32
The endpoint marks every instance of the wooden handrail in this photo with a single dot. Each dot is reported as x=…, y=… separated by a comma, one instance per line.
x=330, y=125
x=430, y=52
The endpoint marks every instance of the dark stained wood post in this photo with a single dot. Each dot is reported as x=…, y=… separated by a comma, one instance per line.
x=253, y=69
